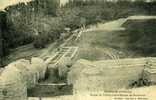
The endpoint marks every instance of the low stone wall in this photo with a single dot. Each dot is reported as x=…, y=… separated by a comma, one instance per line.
x=104, y=75
x=19, y=76
x=12, y=86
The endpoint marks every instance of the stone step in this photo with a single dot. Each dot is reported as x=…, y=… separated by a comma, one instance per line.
x=50, y=90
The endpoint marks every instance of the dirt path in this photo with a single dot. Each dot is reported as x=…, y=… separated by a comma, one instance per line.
x=112, y=25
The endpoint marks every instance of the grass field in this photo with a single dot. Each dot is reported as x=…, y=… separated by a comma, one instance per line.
x=104, y=44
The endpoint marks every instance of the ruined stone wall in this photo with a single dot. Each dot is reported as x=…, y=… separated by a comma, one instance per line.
x=19, y=76
x=104, y=75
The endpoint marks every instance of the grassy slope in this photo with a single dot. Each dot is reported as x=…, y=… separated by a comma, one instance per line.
x=108, y=41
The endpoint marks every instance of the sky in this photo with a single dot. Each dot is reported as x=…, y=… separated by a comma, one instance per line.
x=63, y=1
x=5, y=3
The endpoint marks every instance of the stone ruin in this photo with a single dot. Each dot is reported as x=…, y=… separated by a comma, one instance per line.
x=87, y=76
x=19, y=76
x=11, y=85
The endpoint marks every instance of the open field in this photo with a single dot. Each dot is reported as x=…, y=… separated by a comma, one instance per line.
x=106, y=41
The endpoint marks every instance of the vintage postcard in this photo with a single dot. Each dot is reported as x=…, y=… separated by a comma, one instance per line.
x=77, y=49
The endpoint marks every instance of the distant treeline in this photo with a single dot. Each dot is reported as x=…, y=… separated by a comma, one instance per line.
x=126, y=7
x=42, y=21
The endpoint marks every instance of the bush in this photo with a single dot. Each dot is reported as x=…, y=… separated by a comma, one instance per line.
x=49, y=30
x=70, y=17
x=39, y=41
x=4, y=45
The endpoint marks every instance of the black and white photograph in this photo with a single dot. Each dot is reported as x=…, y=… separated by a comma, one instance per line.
x=77, y=49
